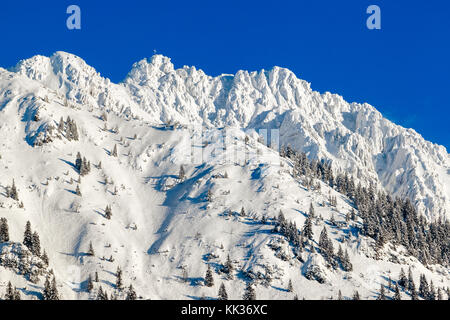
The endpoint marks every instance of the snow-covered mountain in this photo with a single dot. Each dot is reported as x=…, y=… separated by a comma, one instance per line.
x=166, y=227
x=355, y=137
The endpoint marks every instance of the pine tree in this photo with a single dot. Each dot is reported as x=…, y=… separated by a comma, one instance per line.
x=17, y=294
x=290, y=288
x=4, y=230
x=242, y=213
x=414, y=295
x=108, y=212
x=35, y=244
x=439, y=294
x=356, y=296
x=411, y=284
x=209, y=196
x=61, y=125
x=28, y=236
x=102, y=295
x=114, y=152
x=78, y=191
x=307, y=229
x=249, y=293
x=311, y=211
x=91, y=250
x=209, y=280
x=12, y=192
x=131, y=294
x=431, y=292
x=403, y=281
x=78, y=162
x=222, y=293
x=50, y=289
x=346, y=264
x=119, y=283
x=90, y=284
x=381, y=295
x=397, y=295
x=96, y=276
x=45, y=258
x=9, y=295
x=228, y=268
x=423, y=287
x=181, y=174
x=340, y=295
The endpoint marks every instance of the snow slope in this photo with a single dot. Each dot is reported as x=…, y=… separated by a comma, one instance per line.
x=160, y=224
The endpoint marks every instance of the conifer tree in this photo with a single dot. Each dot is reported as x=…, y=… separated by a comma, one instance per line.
x=397, y=295
x=50, y=289
x=9, y=295
x=131, y=294
x=35, y=244
x=411, y=284
x=55, y=294
x=12, y=192
x=403, y=281
x=414, y=294
x=45, y=258
x=432, y=292
x=249, y=293
x=96, y=276
x=312, y=213
x=228, y=268
x=90, y=284
x=4, y=230
x=423, y=287
x=102, y=295
x=307, y=229
x=222, y=293
x=78, y=191
x=439, y=294
x=119, y=283
x=61, y=125
x=28, y=236
x=91, y=250
x=209, y=280
x=181, y=174
x=108, y=212
x=290, y=288
x=114, y=152
x=382, y=294
x=340, y=295
x=242, y=213
x=356, y=295
x=78, y=162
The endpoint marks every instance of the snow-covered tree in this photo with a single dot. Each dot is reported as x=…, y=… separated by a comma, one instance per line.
x=222, y=295
x=119, y=282
x=114, y=151
x=131, y=294
x=91, y=250
x=28, y=236
x=4, y=230
x=108, y=212
x=209, y=280
x=249, y=293
x=397, y=295
x=90, y=284
x=35, y=244
x=382, y=294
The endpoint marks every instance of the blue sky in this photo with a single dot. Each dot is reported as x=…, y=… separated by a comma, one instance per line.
x=402, y=69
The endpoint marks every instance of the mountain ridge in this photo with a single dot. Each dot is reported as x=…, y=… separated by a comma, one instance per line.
x=355, y=137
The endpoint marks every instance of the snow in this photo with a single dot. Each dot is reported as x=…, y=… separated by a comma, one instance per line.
x=160, y=224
